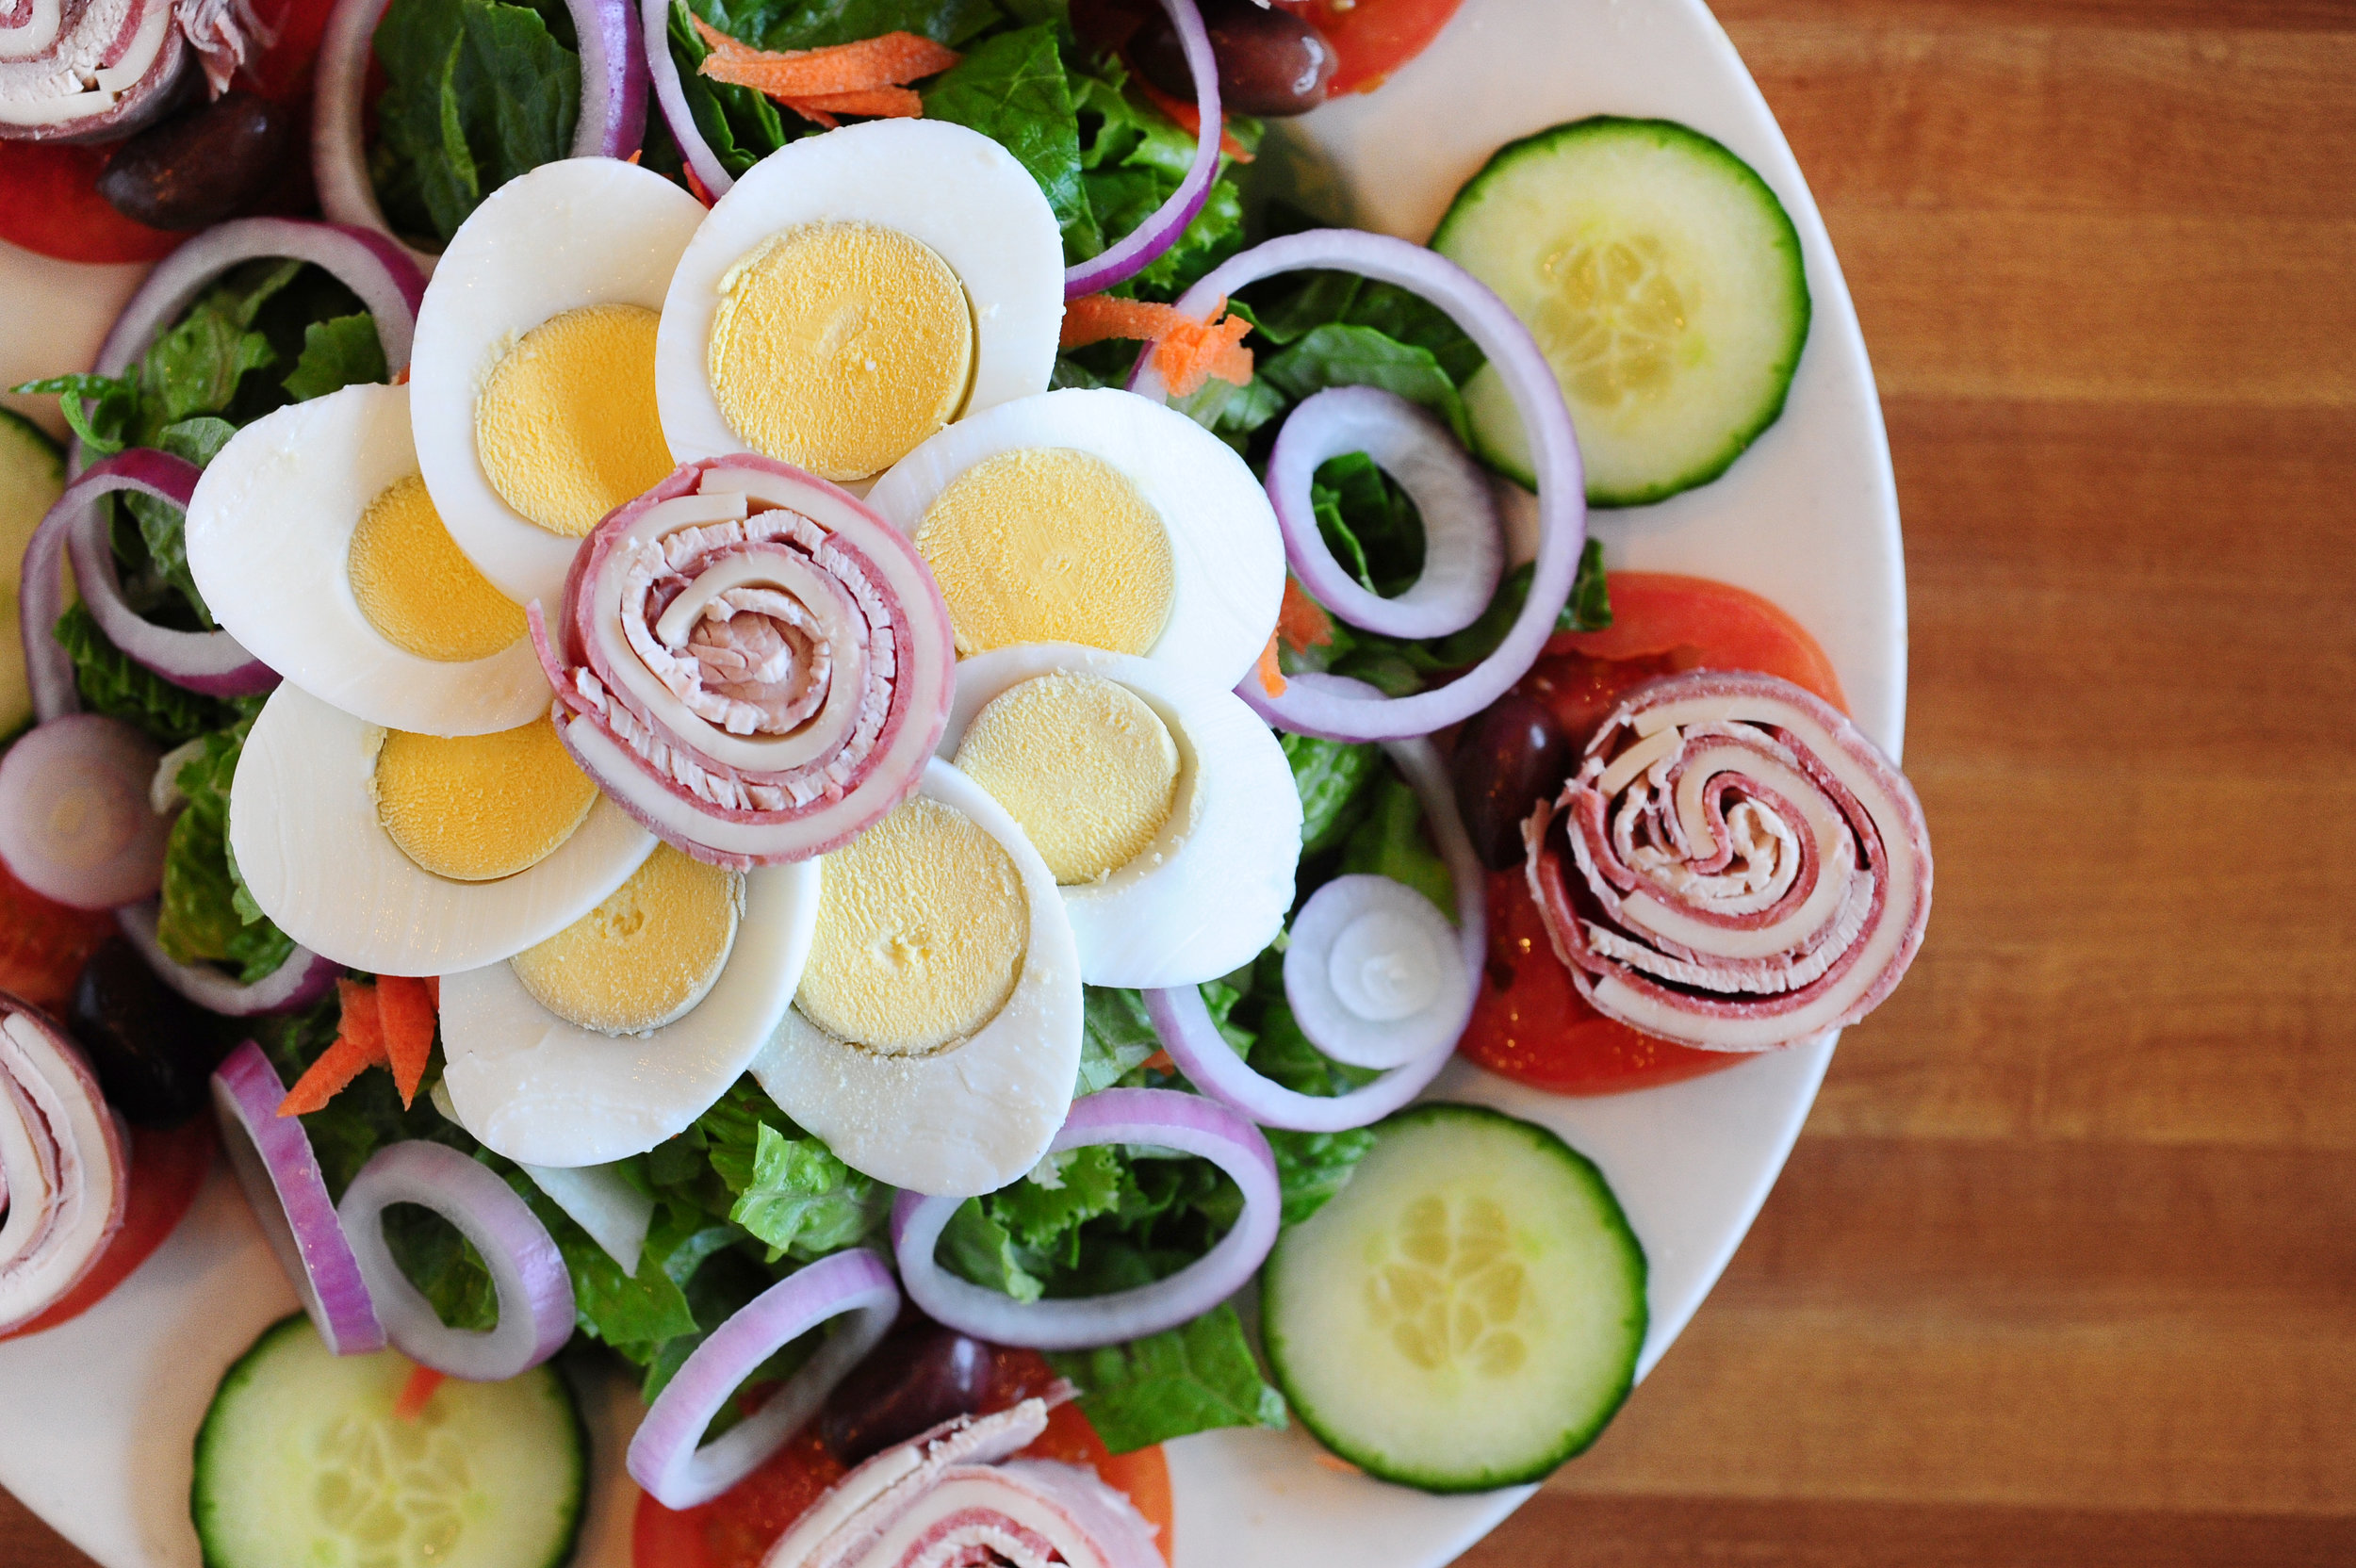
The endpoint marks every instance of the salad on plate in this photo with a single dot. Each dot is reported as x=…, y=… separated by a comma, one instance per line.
x=796, y=698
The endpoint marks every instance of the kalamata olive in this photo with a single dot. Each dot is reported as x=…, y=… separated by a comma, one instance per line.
x=1271, y=62
x=150, y=1048
x=200, y=167
x=1507, y=759
x=919, y=1377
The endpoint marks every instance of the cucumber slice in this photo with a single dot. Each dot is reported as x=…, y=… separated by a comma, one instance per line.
x=302, y=1461
x=1662, y=280
x=32, y=477
x=1466, y=1312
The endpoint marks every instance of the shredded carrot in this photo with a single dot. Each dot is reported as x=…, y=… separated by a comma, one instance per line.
x=1189, y=117
x=405, y=1012
x=1302, y=621
x=1159, y=1062
x=338, y=1065
x=1271, y=672
x=1186, y=353
x=879, y=102
x=892, y=60
x=433, y=990
x=411, y=1401
x=362, y=1022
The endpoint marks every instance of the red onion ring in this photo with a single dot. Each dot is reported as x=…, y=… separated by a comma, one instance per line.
x=1202, y=1053
x=1374, y=973
x=1750, y=870
x=670, y=98
x=145, y=42
x=1142, y=246
x=75, y=825
x=1463, y=552
x=611, y=124
x=665, y=1457
x=212, y=663
x=1169, y=1118
x=272, y=1155
x=1316, y=703
x=302, y=979
x=867, y=663
x=536, y=1293
x=63, y=1171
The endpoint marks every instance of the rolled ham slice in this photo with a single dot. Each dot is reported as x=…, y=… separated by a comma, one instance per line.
x=1734, y=867
x=96, y=70
x=750, y=662
x=944, y=1500
x=62, y=1166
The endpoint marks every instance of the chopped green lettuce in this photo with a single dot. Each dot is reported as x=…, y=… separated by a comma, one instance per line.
x=109, y=684
x=206, y=915
x=1194, y=1377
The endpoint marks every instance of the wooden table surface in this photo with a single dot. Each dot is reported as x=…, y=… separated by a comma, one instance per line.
x=2063, y=1270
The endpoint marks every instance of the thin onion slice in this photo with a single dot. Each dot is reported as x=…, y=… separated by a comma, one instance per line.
x=617, y=1214
x=64, y=1174
x=212, y=663
x=535, y=1292
x=612, y=122
x=272, y=1155
x=1202, y=1053
x=1142, y=246
x=703, y=168
x=1744, y=869
x=75, y=826
x=1463, y=549
x=1374, y=973
x=667, y=1456
x=1167, y=1118
x=1314, y=704
x=302, y=979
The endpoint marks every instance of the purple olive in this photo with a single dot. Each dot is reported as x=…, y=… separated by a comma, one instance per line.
x=1507, y=759
x=919, y=1377
x=1271, y=62
x=151, y=1048
x=200, y=167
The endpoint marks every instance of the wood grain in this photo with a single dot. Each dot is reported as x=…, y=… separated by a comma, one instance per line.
x=2063, y=1270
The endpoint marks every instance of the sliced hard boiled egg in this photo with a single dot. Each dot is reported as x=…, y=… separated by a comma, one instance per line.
x=534, y=363
x=855, y=292
x=317, y=547
x=1172, y=877
x=321, y=795
x=621, y=1029
x=943, y=955
x=1097, y=517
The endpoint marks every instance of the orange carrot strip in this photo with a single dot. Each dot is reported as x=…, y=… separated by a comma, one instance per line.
x=338, y=1065
x=411, y=1401
x=1271, y=673
x=1189, y=117
x=407, y=1013
x=1094, y=317
x=890, y=60
x=1302, y=621
x=363, y=1023
x=1186, y=353
x=882, y=102
x=433, y=990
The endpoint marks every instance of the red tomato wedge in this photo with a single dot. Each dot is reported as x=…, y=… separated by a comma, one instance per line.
x=49, y=204
x=1373, y=37
x=168, y=1166
x=43, y=945
x=1529, y=1024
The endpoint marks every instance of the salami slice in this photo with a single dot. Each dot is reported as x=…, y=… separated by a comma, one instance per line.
x=97, y=70
x=1734, y=867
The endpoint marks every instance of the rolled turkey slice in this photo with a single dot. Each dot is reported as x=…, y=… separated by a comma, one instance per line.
x=62, y=1168
x=1735, y=867
x=944, y=1500
x=98, y=70
x=750, y=661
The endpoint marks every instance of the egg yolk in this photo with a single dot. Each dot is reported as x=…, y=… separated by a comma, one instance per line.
x=1048, y=544
x=644, y=957
x=838, y=346
x=921, y=928
x=565, y=427
x=1082, y=762
x=477, y=808
x=417, y=588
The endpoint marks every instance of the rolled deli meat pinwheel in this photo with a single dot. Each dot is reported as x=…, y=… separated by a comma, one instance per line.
x=1734, y=867
x=942, y=1500
x=96, y=70
x=751, y=663
x=63, y=1169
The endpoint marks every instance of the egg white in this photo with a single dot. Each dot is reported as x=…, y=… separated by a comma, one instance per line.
x=269, y=540
x=567, y=234
x=303, y=824
x=1226, y=553
x=971, y=1117
x=1213, y=888
x=953, y=189
x=545, y=1091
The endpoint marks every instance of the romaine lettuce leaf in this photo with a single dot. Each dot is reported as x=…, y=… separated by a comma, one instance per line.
x=1191, y=1379
x=206, y=915
x=109, y=682
x=476, y=92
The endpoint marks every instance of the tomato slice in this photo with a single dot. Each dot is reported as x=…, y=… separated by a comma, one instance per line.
x=1529, y=1023
x=43, y=945
x=1373, y=37
x=49, y=204
x=168, y=1168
